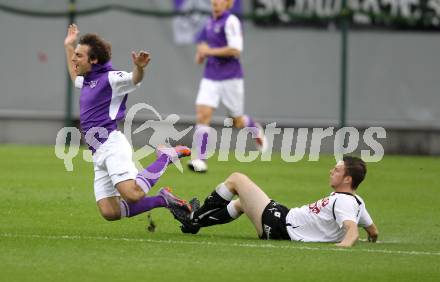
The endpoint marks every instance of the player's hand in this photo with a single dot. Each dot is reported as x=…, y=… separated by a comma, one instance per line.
x=141, y=59
x=72, y=35
x=203, y=49
x=342, y=245
x=199, y=59
x=372, y=239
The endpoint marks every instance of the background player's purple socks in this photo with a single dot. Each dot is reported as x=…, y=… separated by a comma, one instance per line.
x=251, y=125
x=201, y=140
x=249, y=121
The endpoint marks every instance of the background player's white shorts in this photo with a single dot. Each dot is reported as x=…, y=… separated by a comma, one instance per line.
x=112, y=163
x=230, y=92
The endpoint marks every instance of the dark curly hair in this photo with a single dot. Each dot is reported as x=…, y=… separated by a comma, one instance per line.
x=99, y=49
x=356, y=168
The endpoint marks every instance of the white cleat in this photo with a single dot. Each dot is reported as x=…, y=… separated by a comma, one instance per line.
x=198, y=165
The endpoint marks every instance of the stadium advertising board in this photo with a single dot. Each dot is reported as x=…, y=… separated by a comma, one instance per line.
x=370, y=14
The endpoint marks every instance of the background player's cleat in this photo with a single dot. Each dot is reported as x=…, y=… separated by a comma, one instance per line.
x=187, y=225
x=182, y=151
x=261, y=140
x=198, y=165
x=179, y=151
x=177, y=206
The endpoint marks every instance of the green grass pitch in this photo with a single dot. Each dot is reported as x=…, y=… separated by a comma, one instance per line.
x=50, y=229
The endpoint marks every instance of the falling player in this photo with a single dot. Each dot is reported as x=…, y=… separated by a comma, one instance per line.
x=120, y=189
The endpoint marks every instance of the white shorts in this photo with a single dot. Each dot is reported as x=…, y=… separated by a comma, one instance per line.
x=112, y=163
x=231, y=93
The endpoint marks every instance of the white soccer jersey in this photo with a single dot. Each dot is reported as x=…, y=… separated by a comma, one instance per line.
x=322, y=221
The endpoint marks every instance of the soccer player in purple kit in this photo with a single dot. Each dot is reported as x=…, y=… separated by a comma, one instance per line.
x=220, y=43
x=120, y=189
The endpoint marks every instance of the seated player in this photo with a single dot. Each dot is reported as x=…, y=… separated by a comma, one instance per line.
x=334, y=218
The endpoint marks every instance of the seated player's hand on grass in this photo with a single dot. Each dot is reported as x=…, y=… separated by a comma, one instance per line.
x=372, y=232
x=343, y=245
x=372, y=239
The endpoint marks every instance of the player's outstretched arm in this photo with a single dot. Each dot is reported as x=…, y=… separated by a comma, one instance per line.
x=69, y=46
x=372, y=232
x=140, y=61
x=351, y=234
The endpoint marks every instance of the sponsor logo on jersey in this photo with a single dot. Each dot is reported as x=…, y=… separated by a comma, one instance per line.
x=93, y=83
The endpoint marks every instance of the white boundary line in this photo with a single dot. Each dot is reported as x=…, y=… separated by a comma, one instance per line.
x=261, y=245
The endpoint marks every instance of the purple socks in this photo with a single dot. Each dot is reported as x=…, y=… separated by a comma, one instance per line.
x=201, y=134
x=201, y=140
x=146, y=179
x=251, y=125
x=143, y=205
x=149, y=176
x=249, y=122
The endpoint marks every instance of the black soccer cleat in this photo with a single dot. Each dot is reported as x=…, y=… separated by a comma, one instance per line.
x=212, y=204
x=178, y=207
x=188, y=226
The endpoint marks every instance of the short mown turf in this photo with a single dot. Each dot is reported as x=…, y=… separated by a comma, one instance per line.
x=50, y=229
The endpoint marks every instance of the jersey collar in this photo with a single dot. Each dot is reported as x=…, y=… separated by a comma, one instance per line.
x=98, y=69
x=350, y=194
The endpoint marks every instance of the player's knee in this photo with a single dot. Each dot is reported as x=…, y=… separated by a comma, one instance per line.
x=131, y=192
x=203, y=116
x=134, y=195
x=111, y=215
x=235, y=178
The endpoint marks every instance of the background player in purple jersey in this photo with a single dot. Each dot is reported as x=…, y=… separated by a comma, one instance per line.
x=120, y=189
x=334, y=218
x=220, y=43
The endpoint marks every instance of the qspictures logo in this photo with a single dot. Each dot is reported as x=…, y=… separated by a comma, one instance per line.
x=346, y=140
